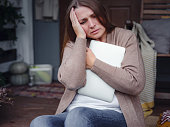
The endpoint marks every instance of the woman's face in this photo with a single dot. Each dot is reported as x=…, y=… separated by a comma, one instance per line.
x=90, y=24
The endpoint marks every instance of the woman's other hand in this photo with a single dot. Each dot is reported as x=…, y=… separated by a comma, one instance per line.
x=90, y=58
x=76, y=25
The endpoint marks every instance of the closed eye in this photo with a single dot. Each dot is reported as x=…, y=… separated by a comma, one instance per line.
x=93, y=16
x=83, y=21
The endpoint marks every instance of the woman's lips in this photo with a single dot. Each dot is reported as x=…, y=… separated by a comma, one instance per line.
x=95, y=31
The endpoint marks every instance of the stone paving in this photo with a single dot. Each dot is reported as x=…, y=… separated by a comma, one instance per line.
x=54, y=90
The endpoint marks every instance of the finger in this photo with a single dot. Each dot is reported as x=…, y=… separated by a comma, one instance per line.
x=76, y=25
x=71, y=15
x=89, y=50
x=74, y=17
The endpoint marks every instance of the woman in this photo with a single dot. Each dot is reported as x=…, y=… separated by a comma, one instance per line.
x=86, y=20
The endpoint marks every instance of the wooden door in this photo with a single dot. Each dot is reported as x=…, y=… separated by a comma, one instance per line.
x=119, y=11
x=122, y=10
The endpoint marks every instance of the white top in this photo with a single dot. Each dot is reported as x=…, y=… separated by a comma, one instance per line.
x=85, y=101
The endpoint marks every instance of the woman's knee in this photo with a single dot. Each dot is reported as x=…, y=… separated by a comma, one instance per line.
x=47, y=121
x=40, y=121
x=81, y=117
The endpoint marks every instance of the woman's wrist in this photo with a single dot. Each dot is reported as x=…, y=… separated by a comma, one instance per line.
x=81, y=36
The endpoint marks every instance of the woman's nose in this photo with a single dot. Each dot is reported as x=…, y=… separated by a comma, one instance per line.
x=91, y=23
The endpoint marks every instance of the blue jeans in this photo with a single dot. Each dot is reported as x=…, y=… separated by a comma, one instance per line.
x=81, y=117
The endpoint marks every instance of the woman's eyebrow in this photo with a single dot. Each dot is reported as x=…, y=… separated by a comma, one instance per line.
x=85, y=18
x=93, y=13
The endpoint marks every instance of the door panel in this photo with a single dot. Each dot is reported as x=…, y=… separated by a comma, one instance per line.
x=122, y=10
x=118, y=15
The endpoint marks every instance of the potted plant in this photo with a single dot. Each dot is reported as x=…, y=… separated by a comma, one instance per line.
x=4, y=96
x=10, y=17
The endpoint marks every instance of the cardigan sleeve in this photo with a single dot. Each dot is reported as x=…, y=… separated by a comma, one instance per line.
x=72, y=72
x=130, y=78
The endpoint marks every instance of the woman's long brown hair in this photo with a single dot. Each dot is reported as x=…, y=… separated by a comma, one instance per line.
x=96, y=7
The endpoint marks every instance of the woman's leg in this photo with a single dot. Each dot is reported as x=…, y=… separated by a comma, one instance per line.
x=88, y=117
x=49, y=120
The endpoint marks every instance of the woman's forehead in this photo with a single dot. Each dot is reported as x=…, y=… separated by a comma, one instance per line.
x=83, y=12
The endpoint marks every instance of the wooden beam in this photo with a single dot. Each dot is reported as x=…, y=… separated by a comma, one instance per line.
x=156, y=12
x=150, y=17
x=163, y=55
x=156, y=1
x=156, y=6
x=159, y=95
